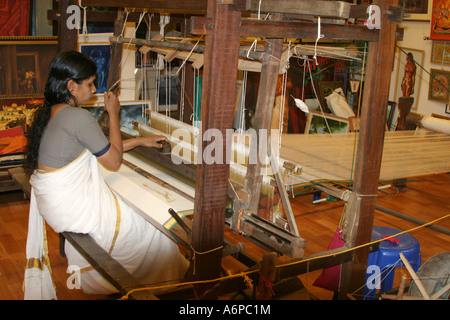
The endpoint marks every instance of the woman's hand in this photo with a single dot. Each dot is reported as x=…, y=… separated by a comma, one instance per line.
x=149, y=142
x=153, y=141
x=112, y=103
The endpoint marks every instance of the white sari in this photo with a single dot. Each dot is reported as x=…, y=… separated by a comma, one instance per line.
x=77, y=199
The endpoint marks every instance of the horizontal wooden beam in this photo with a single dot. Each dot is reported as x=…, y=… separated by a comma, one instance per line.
x=109, y=268
x=174, y=6
x=336, y=9
x=111, y=16
x=104, y=16
x=306, y=30
x=317, y=261
x=290, y=29
x=243, y=53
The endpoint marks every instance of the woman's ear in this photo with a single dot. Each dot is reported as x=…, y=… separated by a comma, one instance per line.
x=71, y=85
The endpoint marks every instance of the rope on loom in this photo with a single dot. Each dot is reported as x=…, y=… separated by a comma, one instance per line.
x=201, y=253
x=182, y=92
x=319, y=36
x=85, y=31
x=245, y=274
x=197, y=98
x=189, y=55
x=145, y=95
x=168, y=67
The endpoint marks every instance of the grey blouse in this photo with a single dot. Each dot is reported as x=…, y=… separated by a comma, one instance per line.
x=68, y=134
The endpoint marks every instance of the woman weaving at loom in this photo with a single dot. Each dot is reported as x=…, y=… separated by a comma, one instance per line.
x=70, y=193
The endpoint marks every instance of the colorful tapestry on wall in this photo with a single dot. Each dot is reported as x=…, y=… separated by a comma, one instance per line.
x=440, y=22
x=14, y=17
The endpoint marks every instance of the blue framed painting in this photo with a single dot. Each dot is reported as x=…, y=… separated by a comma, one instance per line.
x=101, y=55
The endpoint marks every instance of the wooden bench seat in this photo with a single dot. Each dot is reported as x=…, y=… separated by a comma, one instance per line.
x=7, y=183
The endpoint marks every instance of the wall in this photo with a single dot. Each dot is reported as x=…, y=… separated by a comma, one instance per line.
x=413, y=38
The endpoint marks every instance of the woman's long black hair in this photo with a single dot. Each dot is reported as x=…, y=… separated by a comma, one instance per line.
x=67, y=65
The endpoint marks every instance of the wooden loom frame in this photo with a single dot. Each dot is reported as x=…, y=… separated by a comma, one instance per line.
x=218, y=20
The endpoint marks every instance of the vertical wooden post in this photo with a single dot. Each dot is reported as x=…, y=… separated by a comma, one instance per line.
x=68, y=38
x=217, y=112
x=263, y=114
x=116, y=50
x=360, y=210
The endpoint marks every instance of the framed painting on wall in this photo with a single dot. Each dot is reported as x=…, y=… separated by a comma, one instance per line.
x=25, y=63
x=439, y=20
x=439, y=86
x=15, y=17
x=17, y=111
x=417, y=10
x=98, y=48
x=440, y=52
x=409, y=74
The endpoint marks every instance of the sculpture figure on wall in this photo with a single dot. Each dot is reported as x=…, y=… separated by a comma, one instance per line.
x=409, y=77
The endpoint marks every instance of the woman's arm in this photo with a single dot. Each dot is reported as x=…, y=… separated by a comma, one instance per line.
x=152, y=141
x=112, y=159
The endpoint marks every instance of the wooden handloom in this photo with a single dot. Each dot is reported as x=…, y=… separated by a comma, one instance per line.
x=222, y=23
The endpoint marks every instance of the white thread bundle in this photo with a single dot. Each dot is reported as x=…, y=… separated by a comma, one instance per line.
x=405, y=154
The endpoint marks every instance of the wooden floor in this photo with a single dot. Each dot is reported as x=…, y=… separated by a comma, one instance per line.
x=425, y=198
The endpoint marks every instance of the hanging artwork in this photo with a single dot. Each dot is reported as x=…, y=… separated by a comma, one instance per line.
x=24, y=64
x=440, y=23
x=416, y=6
x=14, y=18
x=97, y=47
x=439, y=86
x=416, y=10
x=440, y=52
